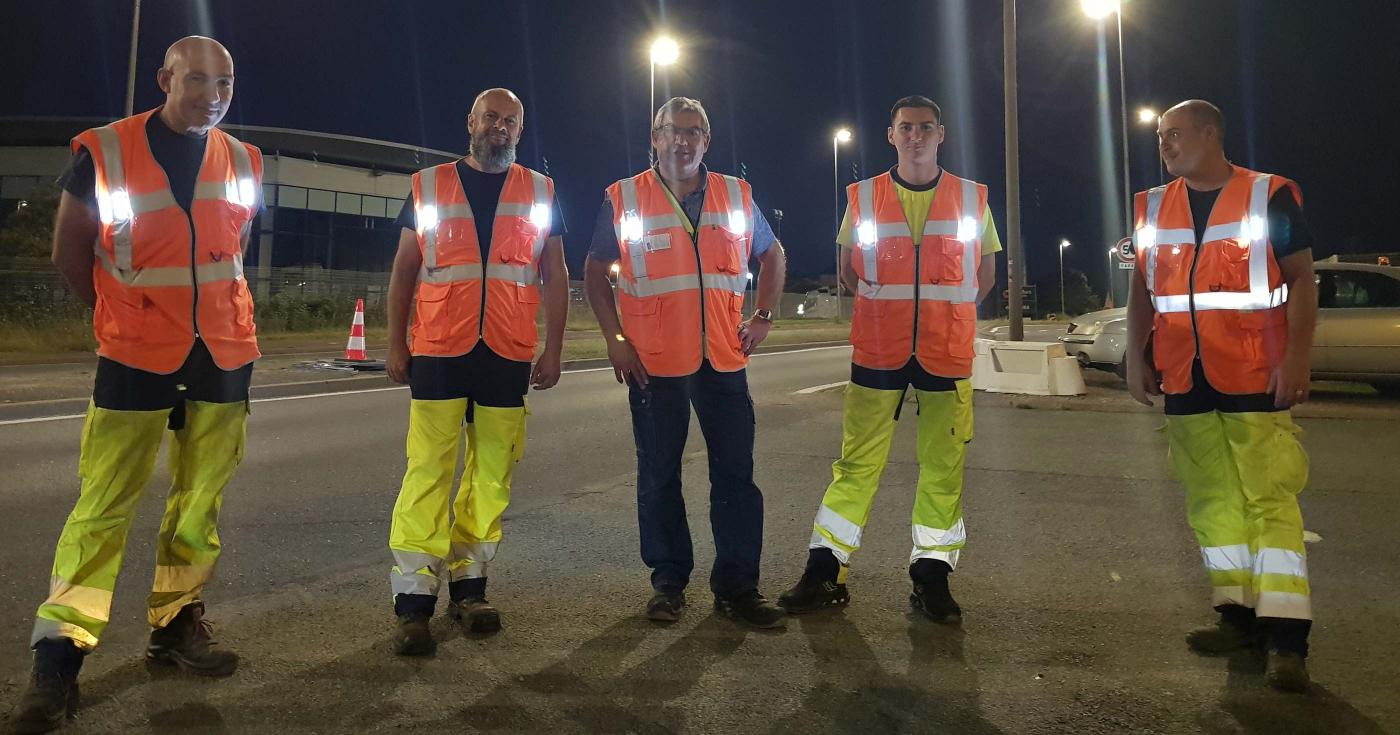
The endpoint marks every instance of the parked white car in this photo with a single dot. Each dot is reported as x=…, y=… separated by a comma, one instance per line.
x=1357, y=336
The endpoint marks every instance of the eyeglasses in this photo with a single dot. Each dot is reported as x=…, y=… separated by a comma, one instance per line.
x=675, y=133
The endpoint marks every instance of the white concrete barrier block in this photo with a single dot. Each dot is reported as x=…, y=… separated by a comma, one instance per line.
x=1034, y=368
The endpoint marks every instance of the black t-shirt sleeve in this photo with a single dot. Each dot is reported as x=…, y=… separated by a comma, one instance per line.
x=603, y=247
x=556, y=224
x=1288, y=229
x=80, y=177
x=408, y=219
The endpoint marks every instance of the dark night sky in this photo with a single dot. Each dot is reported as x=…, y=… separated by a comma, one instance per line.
x=1309, y=90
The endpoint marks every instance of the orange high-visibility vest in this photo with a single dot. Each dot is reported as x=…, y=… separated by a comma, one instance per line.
x=895, y=320
x=163, y=275
x=451, y=312
x=682, y=299
x=1238, y=294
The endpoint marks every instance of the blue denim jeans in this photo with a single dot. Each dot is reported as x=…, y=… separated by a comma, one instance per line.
x=660, y=422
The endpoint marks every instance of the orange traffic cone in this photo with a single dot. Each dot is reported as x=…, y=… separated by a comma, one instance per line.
x=355, y=348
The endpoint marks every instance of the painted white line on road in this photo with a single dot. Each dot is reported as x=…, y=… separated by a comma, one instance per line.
x=41, y=419
x=819, y=388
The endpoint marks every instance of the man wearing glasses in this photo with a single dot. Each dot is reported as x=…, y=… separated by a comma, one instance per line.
x=682, y=237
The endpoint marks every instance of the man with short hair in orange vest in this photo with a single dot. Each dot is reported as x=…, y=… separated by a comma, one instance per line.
x=1224, y=290
x=682, y=237
x=151, y=229
x=479, y=234
x=921, y=259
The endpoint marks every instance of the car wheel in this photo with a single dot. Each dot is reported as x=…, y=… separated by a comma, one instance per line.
x=1121, y=369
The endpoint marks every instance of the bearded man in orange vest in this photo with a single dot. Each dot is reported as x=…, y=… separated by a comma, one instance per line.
x=479, y=234
x=1224, y=290
x=918, y=249
x=681, y=237
x=151, y=229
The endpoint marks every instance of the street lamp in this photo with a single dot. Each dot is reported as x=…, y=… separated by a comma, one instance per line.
x=664, y=52
x=1099, y=10
x=1149, y=116
x=842, y=136
x=1063, y=244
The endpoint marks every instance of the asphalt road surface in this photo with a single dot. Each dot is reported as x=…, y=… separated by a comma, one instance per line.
x=1078, y=582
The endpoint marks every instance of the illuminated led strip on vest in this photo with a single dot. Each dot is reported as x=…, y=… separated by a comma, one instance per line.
x=1253, y=228
x=964, y=228
x=633, y=230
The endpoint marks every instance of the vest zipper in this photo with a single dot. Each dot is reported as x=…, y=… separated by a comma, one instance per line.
x=700, y=275
x=194, y=273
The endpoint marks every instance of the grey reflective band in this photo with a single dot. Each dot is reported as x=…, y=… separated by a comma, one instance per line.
x=524, y=275
x=636, y=253
x=1145, y=239
x=114, y=176
x=671, y=284
x=427, y=197
x=513, y=209
x=164, y=199
x=230, y=269
x=450, y=274
x=242, y=171
x=541, y=188
x=454, y=211
x=865, y=197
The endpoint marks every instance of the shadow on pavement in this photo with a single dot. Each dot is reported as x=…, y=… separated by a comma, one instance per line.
x=1256, y=708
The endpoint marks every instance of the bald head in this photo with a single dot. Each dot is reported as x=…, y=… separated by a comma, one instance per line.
x=1202, y=114
x=196, y=48
x=197, y=78
x=1191, y=137
x=494, y=125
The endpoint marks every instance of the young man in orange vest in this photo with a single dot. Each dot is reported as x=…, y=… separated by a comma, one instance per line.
x=922, y=258
x=478, y=236
x=682, y=237
x=1224, y=289
x=151, y=229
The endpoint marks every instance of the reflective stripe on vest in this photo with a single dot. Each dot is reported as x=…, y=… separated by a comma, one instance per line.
x=965, y=229
x=1254, y=228
x=431, y=213
x=115, y=206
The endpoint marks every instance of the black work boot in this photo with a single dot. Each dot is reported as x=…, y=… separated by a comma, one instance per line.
x=931, y=596
x=1287, y=641
x=414, y=638
x=187, y=641
x=1234, y=631
x=53, y=689
x=470, y=608
x=823, y=584
x=751, y=608
x=665, y=606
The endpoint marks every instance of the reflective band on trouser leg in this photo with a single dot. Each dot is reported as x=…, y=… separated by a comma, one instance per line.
x=1273, y=469
x=419, y=533
x=495, y=442
x=117, y=458
x=867, y=428
x=203, y=456
x=945, y=428
x=1200, y=455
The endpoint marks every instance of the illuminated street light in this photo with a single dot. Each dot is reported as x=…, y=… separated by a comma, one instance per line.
x=1147, y=116
x=842, y=135
x=1100, y=9
x=1063, y=245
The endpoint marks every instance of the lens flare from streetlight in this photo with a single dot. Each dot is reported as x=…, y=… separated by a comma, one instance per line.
x=843, y=135
x=665, y=51
x=1147, y=115
x=1099, y=9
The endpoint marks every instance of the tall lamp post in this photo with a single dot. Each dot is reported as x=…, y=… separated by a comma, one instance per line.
x=1099, y=10
x=842, y=136
x=664, y=52
x=1063, y=245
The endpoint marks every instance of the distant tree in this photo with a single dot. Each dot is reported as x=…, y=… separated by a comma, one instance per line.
x=1079, y=297
x=28, y=231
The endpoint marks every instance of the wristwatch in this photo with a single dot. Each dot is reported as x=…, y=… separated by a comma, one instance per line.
x=764, y=314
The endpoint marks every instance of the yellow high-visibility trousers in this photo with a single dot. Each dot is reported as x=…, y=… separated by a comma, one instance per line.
x=1243, y=473
x=425, y=541
x=867, y=427
x=116, y=460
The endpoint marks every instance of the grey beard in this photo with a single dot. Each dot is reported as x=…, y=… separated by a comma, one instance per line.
x=495, y=158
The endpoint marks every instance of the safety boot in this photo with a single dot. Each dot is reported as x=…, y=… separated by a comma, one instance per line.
x=478, y=615
x=52, y=695
x=1234, y=631
x=414, y=638
x=187, y=642
x=1287, y=671
x=813, y=592
x=665, y=606
x=751, y=608
x=931, y=596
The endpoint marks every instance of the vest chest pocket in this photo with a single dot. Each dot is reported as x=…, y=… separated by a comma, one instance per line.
x=947, y=256
x=1228, y=265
